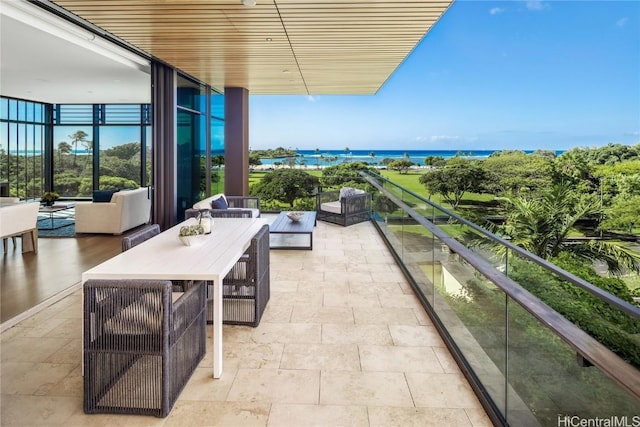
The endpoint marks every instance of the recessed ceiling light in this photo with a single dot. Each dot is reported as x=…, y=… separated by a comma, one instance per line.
x=249, y=2
x=269, y=39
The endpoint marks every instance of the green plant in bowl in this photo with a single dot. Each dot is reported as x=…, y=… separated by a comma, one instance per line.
x=191, y=235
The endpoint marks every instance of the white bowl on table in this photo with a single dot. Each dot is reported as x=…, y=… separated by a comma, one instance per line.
x=295, y=216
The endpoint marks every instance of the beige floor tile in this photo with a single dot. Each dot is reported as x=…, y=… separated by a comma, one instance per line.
x=22, y=349
x=284, y=415
x=253, y=355
x=401, y=301
x=375, y=288
x=364, y=388
x=422, y=316
x=338, y=357
x=307, y=299
x=203, y=387
x=232, y=333
x=277, y=313
x=276, y=385
x=27, y=411
x=29, y=377
x=384, y=358
x=352, y=277
x=390, y=276
x=340, y=299
x=417, y=417
x=478, y=417
x=384, y=316
x=80, y=419
x=420, y=336
x=304, y=314
x=446, y=360
x=70, y=385
x=284, y=285
x=322, y=286
x=344, y=333
x=313, y=269
x=202, y=414
x=286, y=333
x=441, y=391
x=40, y=328
x=70, y=353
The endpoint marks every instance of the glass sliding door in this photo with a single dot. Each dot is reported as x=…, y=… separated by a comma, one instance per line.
x=23, y=132
x=217, y=143
x=191, y=143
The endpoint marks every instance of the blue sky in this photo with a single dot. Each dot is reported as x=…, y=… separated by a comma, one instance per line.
x=489, y=75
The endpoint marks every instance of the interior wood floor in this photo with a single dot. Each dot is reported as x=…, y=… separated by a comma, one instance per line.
x=27, y=279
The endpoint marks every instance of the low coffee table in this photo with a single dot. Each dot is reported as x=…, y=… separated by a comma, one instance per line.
x=53, y=209
x=283, y=225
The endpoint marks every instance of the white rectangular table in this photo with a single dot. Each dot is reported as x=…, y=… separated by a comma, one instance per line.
x=165, y=257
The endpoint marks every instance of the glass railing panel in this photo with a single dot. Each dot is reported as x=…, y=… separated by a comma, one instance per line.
x=613, y=328
x=546, y=380
x=473, y=311
x=527, y=369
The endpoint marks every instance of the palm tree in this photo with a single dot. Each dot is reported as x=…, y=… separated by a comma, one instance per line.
x=542, y=226
x=78, y=136
x=63, y=148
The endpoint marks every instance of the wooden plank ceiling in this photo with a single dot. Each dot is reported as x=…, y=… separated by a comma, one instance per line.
x=275, y=47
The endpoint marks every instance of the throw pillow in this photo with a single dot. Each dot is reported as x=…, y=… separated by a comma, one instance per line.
x=346, y=192
x=219, y=203
x=103, y=196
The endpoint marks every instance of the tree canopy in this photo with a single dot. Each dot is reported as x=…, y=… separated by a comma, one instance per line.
x=459, y=176
x=542, y=224
x=286, y=185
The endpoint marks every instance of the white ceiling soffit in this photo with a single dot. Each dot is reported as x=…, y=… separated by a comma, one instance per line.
x=47, y=59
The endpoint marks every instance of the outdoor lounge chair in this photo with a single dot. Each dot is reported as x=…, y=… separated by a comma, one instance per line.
x=140, y=346
x=346, y=206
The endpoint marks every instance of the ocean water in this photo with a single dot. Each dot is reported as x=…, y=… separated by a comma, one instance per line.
x=417, y=157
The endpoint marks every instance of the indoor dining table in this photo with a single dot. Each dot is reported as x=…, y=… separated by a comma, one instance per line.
x=165, y=257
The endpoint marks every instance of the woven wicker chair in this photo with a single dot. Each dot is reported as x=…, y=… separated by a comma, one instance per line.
x=139, y=236
x=140, y=348
x=346, y=210
x=219, y=213
x=246, y=289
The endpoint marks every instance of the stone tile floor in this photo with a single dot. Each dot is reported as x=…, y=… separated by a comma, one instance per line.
x=343, y=342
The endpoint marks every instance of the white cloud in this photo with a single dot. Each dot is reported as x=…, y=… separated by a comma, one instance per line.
x=622, y=22
x=496, y=10
x=536, y=5
x=446, y=138
x=311, y=98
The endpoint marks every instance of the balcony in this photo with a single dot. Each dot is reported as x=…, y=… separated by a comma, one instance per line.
x=343, y=341
x=389, y=322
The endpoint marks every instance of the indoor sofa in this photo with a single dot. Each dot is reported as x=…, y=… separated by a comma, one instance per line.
x=125, y=210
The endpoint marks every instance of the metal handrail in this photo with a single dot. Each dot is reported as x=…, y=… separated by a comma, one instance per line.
x=601, y=294
x=597, y=354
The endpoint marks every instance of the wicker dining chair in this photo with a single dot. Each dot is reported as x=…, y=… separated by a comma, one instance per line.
x=139, y=236
x=140, y=347
x=246, y=288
